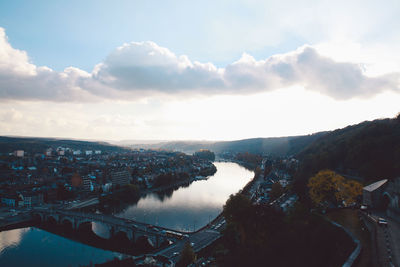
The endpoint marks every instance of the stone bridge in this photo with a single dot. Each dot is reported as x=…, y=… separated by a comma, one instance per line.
x=133, y=230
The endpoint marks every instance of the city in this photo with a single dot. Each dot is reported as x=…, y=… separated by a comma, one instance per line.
x=60, y=186
x=199, y=133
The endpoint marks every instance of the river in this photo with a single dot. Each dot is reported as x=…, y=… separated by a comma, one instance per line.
x=187, y=208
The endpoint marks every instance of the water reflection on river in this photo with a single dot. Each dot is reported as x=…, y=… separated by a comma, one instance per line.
x=34, y=247
x=187, y=208
x=192, y=207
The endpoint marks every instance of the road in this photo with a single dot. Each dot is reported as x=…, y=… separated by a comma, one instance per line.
x=255, y=183
x=82, y=204
x=198, y=240
x=394, y=234
x=388, y=241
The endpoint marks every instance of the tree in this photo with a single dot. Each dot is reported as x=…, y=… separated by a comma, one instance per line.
x=235, y=207
x=187, y=256
x=349, y=191
x=328, y=187
x=205, y=154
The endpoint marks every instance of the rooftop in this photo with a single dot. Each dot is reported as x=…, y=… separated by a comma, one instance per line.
x=375, y=185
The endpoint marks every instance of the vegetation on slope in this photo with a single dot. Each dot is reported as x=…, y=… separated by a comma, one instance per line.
x=39, y=145
x=261, y=236
x=369, y=150
x=276, y=146
x=329, y=188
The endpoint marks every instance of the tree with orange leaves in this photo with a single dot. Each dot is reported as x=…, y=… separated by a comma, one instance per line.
x=328, y=187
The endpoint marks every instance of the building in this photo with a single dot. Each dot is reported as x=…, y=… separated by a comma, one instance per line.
x=11, y=200
x=32, y=199
x=87, y=183
x=49, y=152
x=392, y=198
x=19, y=153
x=373, y=194
x=120, y=178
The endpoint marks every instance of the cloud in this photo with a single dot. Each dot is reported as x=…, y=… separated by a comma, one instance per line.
x=140, y=69
x=146, y=66
x=20, y=79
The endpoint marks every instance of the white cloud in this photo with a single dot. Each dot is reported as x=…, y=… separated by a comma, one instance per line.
x=20, y=79
x=140, y=69
x=146, y=66
x=13, y=61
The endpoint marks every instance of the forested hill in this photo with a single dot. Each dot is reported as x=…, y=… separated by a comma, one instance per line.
x=370, y=150
x=39, y=145
x=275, y=146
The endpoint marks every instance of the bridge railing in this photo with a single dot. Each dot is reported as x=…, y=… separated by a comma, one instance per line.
x=112, y=220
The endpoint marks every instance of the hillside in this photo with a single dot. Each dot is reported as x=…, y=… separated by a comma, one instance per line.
x=276, y=146
x=39, y=145
x=369, y=150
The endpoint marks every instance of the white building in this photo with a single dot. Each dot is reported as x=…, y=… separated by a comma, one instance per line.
x=19, y=153
x=49, y=152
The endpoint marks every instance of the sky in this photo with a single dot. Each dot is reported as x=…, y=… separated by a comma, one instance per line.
x=195, y=70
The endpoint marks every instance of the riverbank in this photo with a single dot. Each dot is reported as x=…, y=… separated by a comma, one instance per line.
x=188, y=207
x=171, y=186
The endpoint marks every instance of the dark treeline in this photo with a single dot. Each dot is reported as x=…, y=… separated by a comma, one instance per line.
x=370, y=150
x=205, y=154
x=39, y=145
x=169, y=179
x=119, y=199
x=261, y=236
x=250, y=160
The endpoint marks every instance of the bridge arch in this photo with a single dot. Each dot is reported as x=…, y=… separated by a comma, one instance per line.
x=67, y=222
x=84, y=224
x=121, y=237
x=145, y=241
x=37, y=217
x=119, y=229
x=52, y=220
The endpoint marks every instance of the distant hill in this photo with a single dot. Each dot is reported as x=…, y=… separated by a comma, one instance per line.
x=369, y=150
x=39, y=145
x=276, y=146
x=188, y=147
